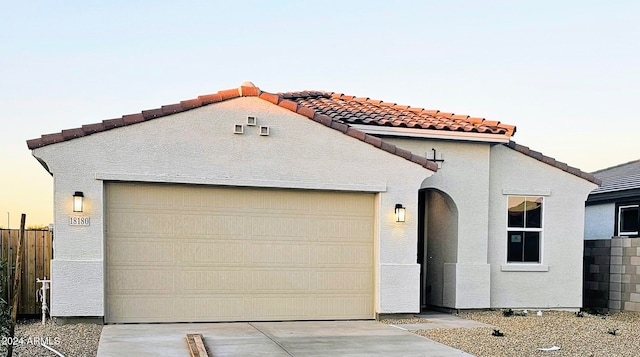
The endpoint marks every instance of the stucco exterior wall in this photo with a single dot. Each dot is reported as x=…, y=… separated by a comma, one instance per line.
x=557, y=281
x=599, y=221
x=479, y=177
x=464, y=177
x=199, y=147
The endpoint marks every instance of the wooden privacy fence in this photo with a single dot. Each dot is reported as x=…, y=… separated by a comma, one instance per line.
x=37, y=251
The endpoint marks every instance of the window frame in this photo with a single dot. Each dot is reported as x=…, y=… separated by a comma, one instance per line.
x=525, y=229
x=619, y=231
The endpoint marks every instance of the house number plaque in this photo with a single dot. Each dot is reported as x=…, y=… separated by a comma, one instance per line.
x=78, y=221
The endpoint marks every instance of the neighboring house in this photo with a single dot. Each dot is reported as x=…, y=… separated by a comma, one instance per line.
x=248, y=205
x=612, y=209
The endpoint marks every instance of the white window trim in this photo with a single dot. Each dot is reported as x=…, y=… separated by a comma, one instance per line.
x=620, y=232
x=525, y=266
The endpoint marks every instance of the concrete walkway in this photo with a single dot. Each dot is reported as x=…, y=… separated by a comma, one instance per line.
x=271, y=339
x=441, y=320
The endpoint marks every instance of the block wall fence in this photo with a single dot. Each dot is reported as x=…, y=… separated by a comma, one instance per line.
x=612, y=274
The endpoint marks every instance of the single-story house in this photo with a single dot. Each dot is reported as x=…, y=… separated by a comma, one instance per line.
x=612, y=209
x=247, y=205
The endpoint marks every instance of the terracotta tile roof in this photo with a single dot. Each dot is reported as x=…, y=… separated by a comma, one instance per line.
x=357, y=110
x=242, y=91
x=551, y=161
x=336, y=111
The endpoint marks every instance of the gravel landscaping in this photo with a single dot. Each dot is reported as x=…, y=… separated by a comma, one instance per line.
x=78, y=339
x=616, y=334
x=413, y=320
x=590, y=335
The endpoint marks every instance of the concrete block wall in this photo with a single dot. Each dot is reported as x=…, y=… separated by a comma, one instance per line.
x=614, y=278
x=597, y=258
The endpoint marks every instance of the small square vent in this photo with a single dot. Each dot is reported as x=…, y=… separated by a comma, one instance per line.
x=264, y=130
x=252, y=121
x=238, y=129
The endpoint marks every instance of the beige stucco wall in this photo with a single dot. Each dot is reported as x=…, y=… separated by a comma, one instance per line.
x=199, y=147
x=464, y=177
x=557, y=281
x=478, y=177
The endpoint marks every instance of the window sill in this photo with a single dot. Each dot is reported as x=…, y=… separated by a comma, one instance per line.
x=524, y=267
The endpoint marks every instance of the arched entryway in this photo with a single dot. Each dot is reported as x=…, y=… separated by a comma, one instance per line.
x=437, y=247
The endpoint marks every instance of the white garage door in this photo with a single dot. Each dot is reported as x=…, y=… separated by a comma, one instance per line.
x=199, y=253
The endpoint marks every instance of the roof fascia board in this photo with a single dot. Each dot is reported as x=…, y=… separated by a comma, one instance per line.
x=430, y=134
x=613, y=196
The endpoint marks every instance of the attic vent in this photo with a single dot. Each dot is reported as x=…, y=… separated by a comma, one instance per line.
x=251, y=120
x=264, y=130
x=238, y=129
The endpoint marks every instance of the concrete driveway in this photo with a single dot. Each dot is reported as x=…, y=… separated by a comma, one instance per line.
x=272, y=339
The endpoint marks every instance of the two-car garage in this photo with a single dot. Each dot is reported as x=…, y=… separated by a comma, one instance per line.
x=178, y=252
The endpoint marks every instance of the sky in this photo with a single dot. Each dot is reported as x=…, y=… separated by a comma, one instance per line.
x=566, y=73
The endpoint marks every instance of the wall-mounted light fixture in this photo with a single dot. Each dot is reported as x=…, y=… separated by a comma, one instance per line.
x=400, y=212
x=78, y=198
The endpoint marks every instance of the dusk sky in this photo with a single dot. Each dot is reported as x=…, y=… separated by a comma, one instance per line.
x=566, y=73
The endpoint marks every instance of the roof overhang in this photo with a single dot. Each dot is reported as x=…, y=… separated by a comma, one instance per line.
x=431, y=134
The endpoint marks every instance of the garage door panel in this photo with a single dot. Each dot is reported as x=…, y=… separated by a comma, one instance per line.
x=206, y=225
x=133, y=222
x=338, y=306
x=279, y=254
x=269, y=201
x=213, y=253
x=141, y=309
x=349, y=204
x=198, y=253
x=280, y=228
x=133, y=195
x=344, y=255
x=282, y=307
x=201, y=308
x=140, y=281
x=143, y=252
x=211, y=281
x=341, y=281
x=355, y=230
x=280, y=281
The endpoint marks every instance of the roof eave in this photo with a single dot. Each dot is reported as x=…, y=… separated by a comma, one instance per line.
x=553, y=162
x=432, y=134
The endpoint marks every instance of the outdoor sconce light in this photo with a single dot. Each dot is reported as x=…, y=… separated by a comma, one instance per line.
x=400, y=211
x=78, y=198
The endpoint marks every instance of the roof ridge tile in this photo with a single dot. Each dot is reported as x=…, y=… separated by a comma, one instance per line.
x=69, y=134
x=133, y=118
x=270, y=97
x=323, y=119
x=229, y=93
x=191, y=103
x=171, y=109
x=112, y=123
x=52, y=138
x=152, y=113
x=246, y=91
x=318, y=106
x=339, y=126
x=210, y=98
x=92, y=128
x=306, y=111
x=289, y=104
